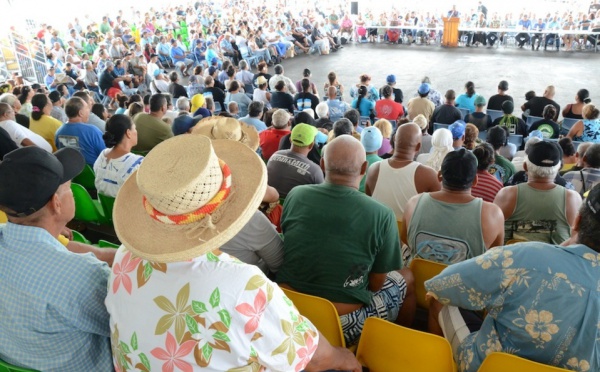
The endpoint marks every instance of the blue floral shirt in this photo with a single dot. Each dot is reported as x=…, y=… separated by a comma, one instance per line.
x=543, y=304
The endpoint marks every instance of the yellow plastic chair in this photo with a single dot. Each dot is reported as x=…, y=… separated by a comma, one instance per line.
x=424, y=270
x=3, y=218
x=399, y=228
x=321, y=313
x=386, y=346
x=501, y=362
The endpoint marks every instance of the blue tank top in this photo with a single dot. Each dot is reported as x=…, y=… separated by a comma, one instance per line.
x=591, y=131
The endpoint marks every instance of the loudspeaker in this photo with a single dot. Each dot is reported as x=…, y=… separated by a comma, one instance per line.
x=354, y=7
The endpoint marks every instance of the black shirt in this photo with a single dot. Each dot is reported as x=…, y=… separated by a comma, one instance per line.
x=514, y=124
x=266, y=76
x=22, y=119
x=536, y=106
x=282, y=100
x=445, y=114
x=6, y=143
x=495, y=102
x=313, y=155
x=106, y=80
x=314, y=101
x=177, y=90
x=398, y=96
x=217, y=94
x=553, y=131
x=480, y=119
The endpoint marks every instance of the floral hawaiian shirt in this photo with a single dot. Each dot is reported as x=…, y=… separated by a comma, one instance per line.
x=543, y=304
x=211, y=313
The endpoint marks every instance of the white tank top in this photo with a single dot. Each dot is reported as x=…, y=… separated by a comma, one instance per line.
x=261, y=96
x=395, y=186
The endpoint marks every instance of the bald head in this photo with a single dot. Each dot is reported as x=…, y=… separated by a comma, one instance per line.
x=331, y=92
x=344, y=158
x=408, y=138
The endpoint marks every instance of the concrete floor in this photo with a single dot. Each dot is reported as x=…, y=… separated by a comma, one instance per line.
x=451, y=68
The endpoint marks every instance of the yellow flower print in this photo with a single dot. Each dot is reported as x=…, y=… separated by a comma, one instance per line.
x=477, y=300
x=508, y=261
x=593, y=258
x=576, y=365
x=465, y=359
x=515, y=276
x=487, y=260
x=539, y=325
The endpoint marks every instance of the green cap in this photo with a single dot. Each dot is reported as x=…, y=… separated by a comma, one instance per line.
x=303, y=135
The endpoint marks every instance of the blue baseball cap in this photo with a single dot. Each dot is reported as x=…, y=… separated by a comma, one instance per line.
x=424, y=88
x=391, y=79
x=371, y=139
x=458, y=129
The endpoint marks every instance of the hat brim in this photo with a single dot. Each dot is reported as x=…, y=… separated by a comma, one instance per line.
x=158, y=242
x=72, y=161
x=204, y=127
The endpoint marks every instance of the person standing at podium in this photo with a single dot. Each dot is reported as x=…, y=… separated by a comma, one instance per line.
x=453, y=12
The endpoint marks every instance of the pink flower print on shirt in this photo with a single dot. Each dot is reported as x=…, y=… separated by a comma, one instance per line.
x=306, y=353
x=260, y=302
x=121, y=271
x=173, y=355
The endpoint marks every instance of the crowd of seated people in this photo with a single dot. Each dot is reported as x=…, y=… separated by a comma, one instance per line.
x=366, y=187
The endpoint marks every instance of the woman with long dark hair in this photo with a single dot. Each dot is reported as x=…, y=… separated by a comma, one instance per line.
x=467, y=99
x=115, y=164
x=362, y=104
x=25, y=97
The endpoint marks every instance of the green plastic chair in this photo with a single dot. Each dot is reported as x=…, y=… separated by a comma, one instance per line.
x=86, y=208
x=107, y=244
x=78, y=237
x=86, y=178
x=5, y=367
x=107, y=203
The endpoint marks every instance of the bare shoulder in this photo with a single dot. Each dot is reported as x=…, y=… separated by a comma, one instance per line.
x=491, y=211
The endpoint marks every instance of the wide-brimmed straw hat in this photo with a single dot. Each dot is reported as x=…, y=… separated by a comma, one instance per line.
x=189, y=197
x=221, y=127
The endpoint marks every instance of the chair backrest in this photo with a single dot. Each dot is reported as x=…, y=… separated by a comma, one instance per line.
x=364, y=122
x=78, y=237
x=567, y=123
x=424, y=270
x=494, y=114
x=5, y=367
x=501, y=362
x=482, y=135
x=385, y=346
x=437, y=126
x=399, y=222
x=531, y=120
x=321, y=313
x=516, y=139
x=86, y=178
x=107, y=244
x=463, y=112
x=107, y=203
x=3, y=218
x=85, y=208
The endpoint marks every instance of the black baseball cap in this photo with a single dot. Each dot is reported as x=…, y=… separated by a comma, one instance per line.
x=31, y=175
x=459, y=169
x=592, y=202
x=544, y=154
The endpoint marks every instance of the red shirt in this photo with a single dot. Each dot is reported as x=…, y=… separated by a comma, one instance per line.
x=388, y=109
x=269, y=141
x=487, y=186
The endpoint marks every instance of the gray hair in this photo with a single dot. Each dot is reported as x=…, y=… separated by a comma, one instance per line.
x=243, y=64
x=8, y=98
x=541, y=172
x=280, y=119
x=183, y=104
x=110, y=64
x=592, y=156
x=322, y=110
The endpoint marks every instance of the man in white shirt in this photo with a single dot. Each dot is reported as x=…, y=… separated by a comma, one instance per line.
x=18, y=133
x=279, y=77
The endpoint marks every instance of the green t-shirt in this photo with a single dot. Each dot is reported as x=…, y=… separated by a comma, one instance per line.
x=371, y=158
x=151, y=131
x=504, y=166
x=334, y=236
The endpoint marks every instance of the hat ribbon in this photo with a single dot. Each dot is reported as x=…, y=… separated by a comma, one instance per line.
x=206, y=210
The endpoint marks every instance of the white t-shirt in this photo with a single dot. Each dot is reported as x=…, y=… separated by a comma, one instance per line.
x=162, y=85
x=111, y=174
x=18, y=133
x=151, y=68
